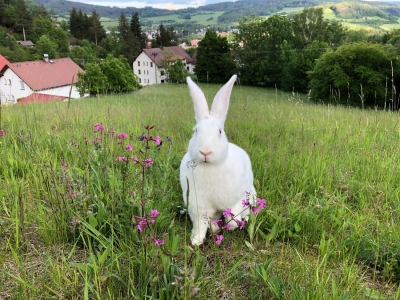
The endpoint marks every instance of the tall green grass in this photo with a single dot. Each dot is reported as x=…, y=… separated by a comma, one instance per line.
x=329, y=175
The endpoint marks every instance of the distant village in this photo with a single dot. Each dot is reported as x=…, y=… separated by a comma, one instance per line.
x=54, y=80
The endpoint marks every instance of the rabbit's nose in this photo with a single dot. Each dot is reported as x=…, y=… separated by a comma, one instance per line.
x=205, y=153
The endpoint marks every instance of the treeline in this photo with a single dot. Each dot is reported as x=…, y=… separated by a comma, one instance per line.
x=62, y=6
x=307, y=54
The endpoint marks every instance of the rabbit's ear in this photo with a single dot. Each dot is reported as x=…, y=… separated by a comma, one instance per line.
x=220, y=104
x=199, y=100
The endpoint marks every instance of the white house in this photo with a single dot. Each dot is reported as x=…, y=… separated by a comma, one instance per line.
x=148, y=65
x=54, y=78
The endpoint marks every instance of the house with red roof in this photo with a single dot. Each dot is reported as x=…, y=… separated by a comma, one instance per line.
x=149, y=64
x=3, y=61
x=47, y=79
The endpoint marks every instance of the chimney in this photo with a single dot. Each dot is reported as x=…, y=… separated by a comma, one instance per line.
x=46, y=57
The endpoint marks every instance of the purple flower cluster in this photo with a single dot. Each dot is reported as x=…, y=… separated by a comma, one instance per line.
x=142, y=222
x=229, y=216
x=2, y=133
x=99, y=127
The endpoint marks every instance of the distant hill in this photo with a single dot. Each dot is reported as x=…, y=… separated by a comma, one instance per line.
x=242, y=7
x=374, y=15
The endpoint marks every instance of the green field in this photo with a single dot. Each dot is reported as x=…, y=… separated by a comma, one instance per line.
x=330, y=176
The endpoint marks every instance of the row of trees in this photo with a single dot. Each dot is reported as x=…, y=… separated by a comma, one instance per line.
x=306, y=54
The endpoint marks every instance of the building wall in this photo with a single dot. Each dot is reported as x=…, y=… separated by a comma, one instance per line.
x=62, y=91
x=12, y=88
x=147, y=71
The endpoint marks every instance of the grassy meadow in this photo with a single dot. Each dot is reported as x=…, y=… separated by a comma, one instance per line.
x=71, y=200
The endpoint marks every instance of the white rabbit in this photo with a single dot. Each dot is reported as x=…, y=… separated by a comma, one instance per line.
x=217, y=174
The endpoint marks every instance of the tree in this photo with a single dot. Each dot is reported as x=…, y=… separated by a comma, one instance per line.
x=120, y=77
x=74, y=22
x=136, y=29
x=177, y=71
x=45, y=46
x=309, y=26
x=131, y=44
x=296, y=65
x=2, y=12
x=111, y=44
x=166, y=37
x=356, y=74
x=10, y=15
x=258, y=42
x=112, y=75
x=93, y=81
x=42, y=26
x=214, y=60
x=96, y=30
x=23, y=19
x=83, y=55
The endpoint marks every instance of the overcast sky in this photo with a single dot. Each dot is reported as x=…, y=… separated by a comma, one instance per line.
x=168, y=4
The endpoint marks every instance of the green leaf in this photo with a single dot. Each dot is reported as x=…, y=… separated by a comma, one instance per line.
x=93, y=221
x=297, y=227
x=250, y=246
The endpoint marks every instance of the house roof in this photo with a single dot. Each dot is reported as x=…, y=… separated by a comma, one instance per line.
x=38, y=97
x=3, y=62
x=158, y=54
x=26, y=43
x=40, y=75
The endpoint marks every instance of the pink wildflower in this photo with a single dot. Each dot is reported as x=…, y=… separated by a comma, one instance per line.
x=227, y=227
x=158, y=141
x=245, y=203
x=228, y=213
x=122, y=136
x=148, y=162
x=240, y=224
x=219, y=239
x=122, y=158
x=219, y=223
x=99, y=127
x=2, y=133
x=135, y=160
x=154, y=213
x=55, y=127
x=128, y=147
x=261, y=203
x=158, y=242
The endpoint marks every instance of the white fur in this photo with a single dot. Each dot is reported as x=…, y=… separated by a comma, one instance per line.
x=217, y=174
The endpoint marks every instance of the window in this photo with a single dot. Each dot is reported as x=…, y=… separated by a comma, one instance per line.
x=187, y=68
x=13, y=98
x=151, y=64
x=162, y=72
x=9, y=81
x=138, y=63
x=22, y=85
x=5, y=81
x=139, y=72
x=140, y=80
